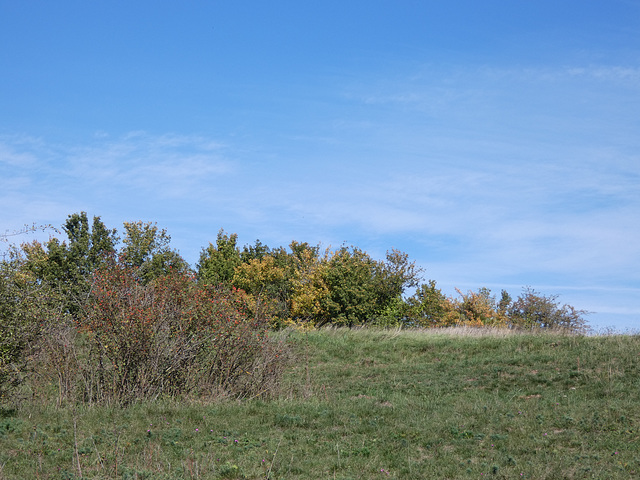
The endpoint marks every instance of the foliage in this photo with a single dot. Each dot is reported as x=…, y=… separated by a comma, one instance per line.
x=396, y=314
x=343, y=287
x=347, y=286
x=257, y=251
x=267, y=285
x=429, y=307
x=354, y=291
x=217, y=263
x=88, y=246
x=14, y=328
x=169, y=336
x=395, y=275
x=534, y=309
x=25, y=306
x=67, y=266
x=505, y=301
x=147, y=248
x=123, y=329
x=309, y=286
x=479, y=309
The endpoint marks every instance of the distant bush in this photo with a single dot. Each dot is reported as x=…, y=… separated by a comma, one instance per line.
x=429, y=307
x=537, y=310
x=478, y=309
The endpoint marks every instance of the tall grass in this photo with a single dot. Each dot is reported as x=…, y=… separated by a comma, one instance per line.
x=362, y=404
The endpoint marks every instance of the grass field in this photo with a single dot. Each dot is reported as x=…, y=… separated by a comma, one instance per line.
x=365, y=404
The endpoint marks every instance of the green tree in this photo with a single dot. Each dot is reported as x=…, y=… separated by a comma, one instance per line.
x=394, y=276
x=353, y=290
x=257, y=251
x=146, y=247
x=429, y=307
x=218, y=262
x=504, y=303
x=87, y=246
x=347, y=286
x=27, y=307
x=361, y=289
x=68, y=265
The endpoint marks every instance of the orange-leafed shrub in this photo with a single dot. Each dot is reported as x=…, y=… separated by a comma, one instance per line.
x=171, y=336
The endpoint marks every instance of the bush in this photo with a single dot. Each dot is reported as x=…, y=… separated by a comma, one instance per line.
x=532, y=309
x=170, y=336
x=479, y=309
x=24, y=304
x=429, y=307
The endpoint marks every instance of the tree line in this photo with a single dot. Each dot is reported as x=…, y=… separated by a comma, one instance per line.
x=132, y=301
x=302, y=283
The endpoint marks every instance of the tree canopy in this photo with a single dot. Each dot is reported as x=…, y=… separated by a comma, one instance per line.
x=300, y=283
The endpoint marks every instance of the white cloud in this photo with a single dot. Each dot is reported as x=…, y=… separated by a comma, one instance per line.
x=164, y=166
x=10, y=157
x=130, y=173
x=20, y=153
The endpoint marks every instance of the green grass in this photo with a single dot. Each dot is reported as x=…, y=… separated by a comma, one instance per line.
x=365, y=404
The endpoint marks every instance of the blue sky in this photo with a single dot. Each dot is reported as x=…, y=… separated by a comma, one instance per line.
x=496, y=142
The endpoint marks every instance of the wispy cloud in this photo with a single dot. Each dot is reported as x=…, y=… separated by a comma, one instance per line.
x=10, y=157
x=160, y=166
x=608, y=73
x=40, y=180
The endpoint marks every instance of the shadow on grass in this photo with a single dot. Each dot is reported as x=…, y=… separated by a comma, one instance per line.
x=7, y=412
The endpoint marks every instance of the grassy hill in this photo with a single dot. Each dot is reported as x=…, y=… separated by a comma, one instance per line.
x=363, y=404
